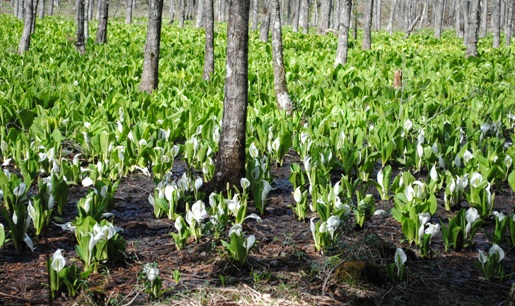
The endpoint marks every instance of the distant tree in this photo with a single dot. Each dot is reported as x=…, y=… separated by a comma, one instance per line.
x=323, y=21
x=171, y=9
x=343, y=33
x=304, y=16
x=255, y=15
x=209, y=54
x=296, y=10
x=182, y=12
x=389, y=28
x=128, y=16
x=496, y=23
x=80, y=26
x=281, y=88
x=265, y=23
x=103, y=8
x=230, y=161
x=471, y=33
x=439, y=11
x=200, y=13
x=27, y=27
x=149, y=77
x=367, y=26
x=41, y=9
x=508, y=24
x=377, y=15
x=484, y=17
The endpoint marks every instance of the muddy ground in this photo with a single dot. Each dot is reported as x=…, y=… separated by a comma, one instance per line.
x=283, y=269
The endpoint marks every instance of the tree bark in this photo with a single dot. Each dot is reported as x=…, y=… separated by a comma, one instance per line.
x=392, y=14
x=471, y=34
x=171, y=10
x=496, y=23
x=281, y=88
x=128, y=17
x=484, y=17
x=458, y=13
x=425, y=14
x=230, y=161
x=20, y=11
x=265, y=23
x=41, y=9
x=209, y=53
x=296, y=15
x=508, y=24
x=80, y=26
x=102, y=22
x=465, y=5
x=439, y=11
x=343, y=33
x=323, y=21
x=149, y=77
x=367, y=26
x=200, y=13
x=255, y=10
x=182, y=12
x=304, y=16
x=377, y=15
x=27, y=27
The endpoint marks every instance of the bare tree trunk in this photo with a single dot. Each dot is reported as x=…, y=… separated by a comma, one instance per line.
x=377, y=15
x=392, y=13
x=200, y=10
x=471, y=35
x=343, y=33
x=89, y=8
x=439, y=11
x=27, y=27
x=81, y=47
x=128, y=17
x=280, y=86
x=367, y=26
x=230, y=161
x=255, y=6
x=296, y=16
x=102, y=22
x=34, y=12
x=171, y=9
x=41, y=9
x=458, y=18
x=510, y=15
x=265, y=23
x=465, y=6
x=323, y=21
x=304, y=16
x=182, y=12
x=20, y=4
x=150, y=74
x=425, y=14
x=496, y=23
x=484, y=17
x=86, y=19
x=209, y=53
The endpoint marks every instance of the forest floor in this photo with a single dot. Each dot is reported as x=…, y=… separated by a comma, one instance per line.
x=283, y=268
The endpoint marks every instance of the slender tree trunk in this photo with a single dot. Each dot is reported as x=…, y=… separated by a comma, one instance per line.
x=86, y=19
x=81, y=47
x=41, y=9
x=439, y=11
x=265, y=23
x=255, y=10
x=20, y=9
x=367, y=26
x=34, y=12
x=343, y=33
x=471, y=34
x=280, y=86
x=182, y=13
x=323, y=21
x=496, y=23
x=200, y=10
x=458, y=18
x=171, y=9
x=392, y=13
x=102, y=22
x=484, y=17
x=230, y=161
x=128, y=17
x=51, y=8
x=425, y=14
x=377, y=15
x=149, y=77
x=27, y=27
x=209, y=54
x=465, y=6
x=304, y=16
x=510, y=15
x=296, y=15
x=89, y=8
